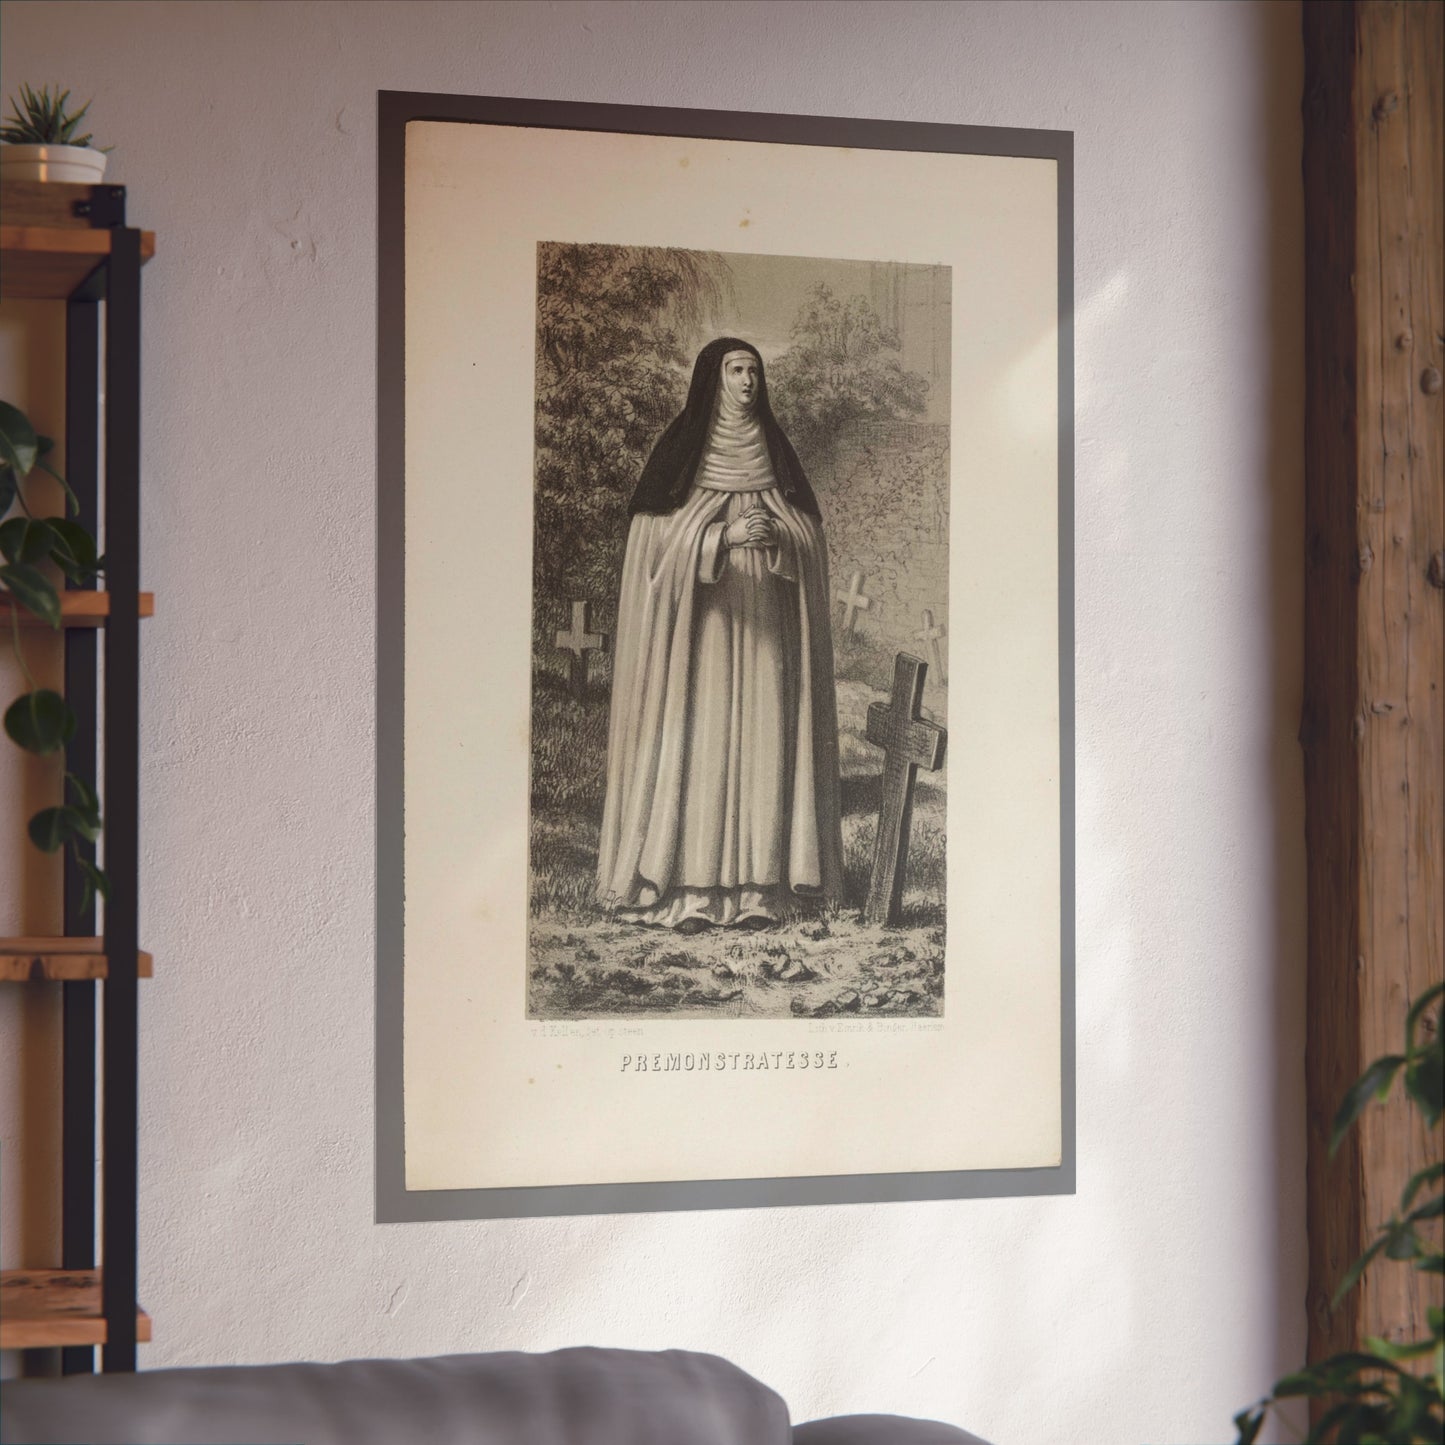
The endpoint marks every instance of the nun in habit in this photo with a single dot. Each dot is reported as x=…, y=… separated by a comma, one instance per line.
x=722, y=757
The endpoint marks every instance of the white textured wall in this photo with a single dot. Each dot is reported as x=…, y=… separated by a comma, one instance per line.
x=1169, y=1290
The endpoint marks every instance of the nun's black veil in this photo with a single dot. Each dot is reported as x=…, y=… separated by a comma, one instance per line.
x=667, y=477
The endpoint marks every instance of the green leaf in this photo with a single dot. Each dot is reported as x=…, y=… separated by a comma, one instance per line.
x=1340, y=1373
x=1425, y=1081
x=47, y=830
x=74, y=550
x=1425, y=1176
x=1401, y=1242
x=87, y=802
x=52, y=828
x=1413, y=1406
x=19, y=445
x=1329, y=1420
x=94, y=881
x=1249, y=1424
x=76, y=541
x=23, y=539
x=33, y=591
x=42, y=119
x=1412, y=1350
x=86, y=824
x=1374, y=1083
x=1430, y=1209
x=77, y=116
x=7, y=487
x=72, y=502
x=40, y=722
x=1416, y=1009
x=1301, y=1382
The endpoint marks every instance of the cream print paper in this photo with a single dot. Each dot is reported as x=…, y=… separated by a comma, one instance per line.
x=508, y=1081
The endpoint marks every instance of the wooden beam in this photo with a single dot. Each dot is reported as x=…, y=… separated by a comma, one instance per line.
x=1373, y=729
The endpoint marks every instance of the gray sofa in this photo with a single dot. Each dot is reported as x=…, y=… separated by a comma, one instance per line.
x=569, y=1397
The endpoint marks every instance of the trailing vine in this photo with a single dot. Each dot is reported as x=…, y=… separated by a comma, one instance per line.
x=40, y=720
x=1373, y=1396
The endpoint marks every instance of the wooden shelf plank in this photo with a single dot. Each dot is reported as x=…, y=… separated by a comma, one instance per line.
x=42, y=1308
x=47, y=263
x=44, y=203
x=59, y=960
x=53, y=241
x=77, y=609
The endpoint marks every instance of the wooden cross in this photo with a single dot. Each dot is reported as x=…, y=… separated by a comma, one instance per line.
x=909, y=742
x=933, y=635
x=579, y=642
x=854, y=601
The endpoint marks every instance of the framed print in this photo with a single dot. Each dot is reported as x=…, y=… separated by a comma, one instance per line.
x=725, y=648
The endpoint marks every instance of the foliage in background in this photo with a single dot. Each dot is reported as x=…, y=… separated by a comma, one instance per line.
x=1373, y=1398
x=42, y=119
x=887, y=511
x=613, y=327
x=40, y=720
x=843, y=366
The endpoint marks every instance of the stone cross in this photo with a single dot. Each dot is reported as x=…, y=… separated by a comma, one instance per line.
x=932, y=636
x=854, y=601
x=909, y=742
x=579, y=642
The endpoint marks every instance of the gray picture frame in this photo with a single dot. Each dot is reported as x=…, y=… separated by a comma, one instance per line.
x=394, y=1202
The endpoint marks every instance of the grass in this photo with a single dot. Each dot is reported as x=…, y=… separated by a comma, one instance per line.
x=582, y=964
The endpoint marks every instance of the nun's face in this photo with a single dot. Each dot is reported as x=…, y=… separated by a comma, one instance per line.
x=740, y=372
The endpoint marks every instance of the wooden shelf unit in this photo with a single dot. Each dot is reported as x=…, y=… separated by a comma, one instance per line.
x=72, y=244
x=55, y=1308
x=60, y=960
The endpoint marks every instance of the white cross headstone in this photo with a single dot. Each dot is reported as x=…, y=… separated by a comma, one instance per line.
x=932, y=635
x=579, y=642
x=854, y=601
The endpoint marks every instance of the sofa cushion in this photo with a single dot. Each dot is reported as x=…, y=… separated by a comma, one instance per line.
x=880, y=1430
x=570, y=1397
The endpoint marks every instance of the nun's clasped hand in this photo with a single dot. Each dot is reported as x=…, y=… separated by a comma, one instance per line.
x=753, y=528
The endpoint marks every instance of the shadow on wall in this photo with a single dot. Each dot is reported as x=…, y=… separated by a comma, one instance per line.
x=1279, y=91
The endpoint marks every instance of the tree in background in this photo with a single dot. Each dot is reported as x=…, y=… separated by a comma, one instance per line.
x=612, y=324
x=884, y=498
x=844, y=365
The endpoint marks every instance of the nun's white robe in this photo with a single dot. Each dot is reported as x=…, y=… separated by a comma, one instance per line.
x=722, y=767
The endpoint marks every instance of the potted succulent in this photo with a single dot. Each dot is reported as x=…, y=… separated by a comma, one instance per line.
x=40, y=142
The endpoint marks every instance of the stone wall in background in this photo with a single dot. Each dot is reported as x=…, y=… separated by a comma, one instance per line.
x=884, y=495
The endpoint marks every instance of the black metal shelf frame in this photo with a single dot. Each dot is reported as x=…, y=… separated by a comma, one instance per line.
x=116, y=727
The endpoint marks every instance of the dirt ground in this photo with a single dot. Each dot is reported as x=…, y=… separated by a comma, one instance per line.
x=583, y=965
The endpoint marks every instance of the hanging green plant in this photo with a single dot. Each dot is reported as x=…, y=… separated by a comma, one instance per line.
x=40, y=720
x=1372, y=1396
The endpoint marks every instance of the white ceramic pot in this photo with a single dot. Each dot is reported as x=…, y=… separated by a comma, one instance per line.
x=52, y=163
